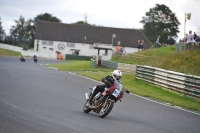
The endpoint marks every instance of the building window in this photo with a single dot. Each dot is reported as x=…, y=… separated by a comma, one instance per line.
x=91, y=47
x=70, y=44
x=50, y=43
x=44, y=42
x=47, y=43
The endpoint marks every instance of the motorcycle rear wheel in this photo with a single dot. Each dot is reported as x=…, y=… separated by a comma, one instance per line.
x=105, y=111
x=86, y=109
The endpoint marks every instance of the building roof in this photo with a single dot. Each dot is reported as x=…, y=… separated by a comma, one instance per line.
x=88, y=34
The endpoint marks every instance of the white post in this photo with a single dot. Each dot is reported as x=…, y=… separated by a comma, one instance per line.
x=113, y=36
x=184, y=25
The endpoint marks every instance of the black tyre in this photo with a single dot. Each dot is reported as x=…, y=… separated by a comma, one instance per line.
x=86, y=109
x=105, y=111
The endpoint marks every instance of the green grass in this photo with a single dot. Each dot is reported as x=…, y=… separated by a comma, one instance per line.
x=77, y=66
x=136, y=86
x=129, y=82
x=8, y=52
x=146, y=90
x=187, y=62
x=155, y=52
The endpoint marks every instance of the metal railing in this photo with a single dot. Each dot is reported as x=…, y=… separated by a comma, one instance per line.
x=188, y=85
x=182, y=46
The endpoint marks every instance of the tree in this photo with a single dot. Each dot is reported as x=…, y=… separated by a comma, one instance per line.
x=85, y=23
x=20, y=32
x=23, y=33
x=41, y=17
x=2, y=32
x=82, y=23
x=46, y=17
x=160, y=20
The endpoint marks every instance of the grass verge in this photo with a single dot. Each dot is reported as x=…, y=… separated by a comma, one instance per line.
x=167, y=58
x=129, y=82
x=8, y=52
x=77, y=66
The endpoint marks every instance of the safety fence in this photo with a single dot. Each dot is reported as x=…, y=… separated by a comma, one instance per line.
x=188, y=85
x=182, y=46
x=77, y=57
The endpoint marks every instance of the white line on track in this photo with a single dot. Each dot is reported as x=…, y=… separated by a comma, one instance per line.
x=166, y=104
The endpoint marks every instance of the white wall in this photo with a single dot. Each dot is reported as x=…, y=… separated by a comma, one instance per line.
x=130, y=50
x=10, y=47
x=27, y=53
x=85, y=49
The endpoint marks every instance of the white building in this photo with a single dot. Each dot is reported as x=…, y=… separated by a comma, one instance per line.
x=85, y=40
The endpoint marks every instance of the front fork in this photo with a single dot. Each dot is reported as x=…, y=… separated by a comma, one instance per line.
x=87, y=96
x=105, y=103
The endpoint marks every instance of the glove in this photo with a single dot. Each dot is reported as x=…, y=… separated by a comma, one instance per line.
x=107, y=90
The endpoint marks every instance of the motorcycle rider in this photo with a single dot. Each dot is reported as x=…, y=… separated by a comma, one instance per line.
x=21, y=57
x=108, y=82
x=34, y=57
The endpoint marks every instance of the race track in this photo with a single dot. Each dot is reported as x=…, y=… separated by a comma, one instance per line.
x=35, y=99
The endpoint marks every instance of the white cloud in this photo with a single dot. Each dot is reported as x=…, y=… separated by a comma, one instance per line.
x=109, y=13
x=7, y=25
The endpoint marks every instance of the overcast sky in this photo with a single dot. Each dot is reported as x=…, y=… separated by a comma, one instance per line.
x=107, y=13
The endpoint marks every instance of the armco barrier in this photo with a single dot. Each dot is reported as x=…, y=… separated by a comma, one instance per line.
x=109, y=64
x=185, y=84
x=77, y=57
x=93, y=63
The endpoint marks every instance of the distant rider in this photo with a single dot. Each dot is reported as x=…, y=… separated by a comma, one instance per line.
x=34, y=57
x=21, y=57
x=108, y=82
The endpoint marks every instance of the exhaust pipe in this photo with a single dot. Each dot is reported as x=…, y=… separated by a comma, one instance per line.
x=87, y=96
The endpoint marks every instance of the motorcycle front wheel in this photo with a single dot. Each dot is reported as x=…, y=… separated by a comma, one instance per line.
x=105, y=111
x=86, y=109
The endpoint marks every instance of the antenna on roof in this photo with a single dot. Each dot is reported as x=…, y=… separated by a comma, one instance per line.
x=85, y=16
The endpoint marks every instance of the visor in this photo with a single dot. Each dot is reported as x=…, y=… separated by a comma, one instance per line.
x=118, y=77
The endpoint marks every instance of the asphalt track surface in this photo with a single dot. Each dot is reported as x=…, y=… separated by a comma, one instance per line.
x=35, y=99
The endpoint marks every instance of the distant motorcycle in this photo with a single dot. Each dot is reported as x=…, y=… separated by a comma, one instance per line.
x=35, y=59
x=103, y=102
x=22, y=59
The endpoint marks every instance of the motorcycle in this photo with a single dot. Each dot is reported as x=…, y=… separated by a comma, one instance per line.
x=103, y=102
x=22, y=59
x=35, y=60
